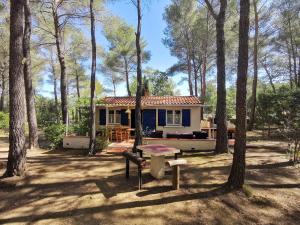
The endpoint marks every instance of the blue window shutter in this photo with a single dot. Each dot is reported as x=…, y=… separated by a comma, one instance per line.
x=161, y=117
x=124, y=117
x=186, y=117
x=102, y=117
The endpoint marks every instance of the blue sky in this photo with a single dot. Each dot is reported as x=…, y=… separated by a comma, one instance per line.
x=153, y=27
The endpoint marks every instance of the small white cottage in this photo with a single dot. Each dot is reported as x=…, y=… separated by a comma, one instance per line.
x=164, y=113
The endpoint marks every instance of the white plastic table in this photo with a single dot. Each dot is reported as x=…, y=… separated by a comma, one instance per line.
x=158, y=153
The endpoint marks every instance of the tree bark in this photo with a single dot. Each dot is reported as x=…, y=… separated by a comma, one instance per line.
x=30, y=103
x=127, y=77
x=3, y=89
x=255, y=68
x=55, y=87
x=290, y=64
x=114, y=86
x=93, y=80
x=16, y=162
x=237, y=173
x=77, y=85
x=221, y=114
x=204, y=61
x=293, y=52
x=61, y=59
x=78, y=110
x=190, y=75
x=195, y=76
x=138, y=116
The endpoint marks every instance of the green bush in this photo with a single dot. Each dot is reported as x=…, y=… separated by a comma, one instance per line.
x=4, y=121
x=80, y=128
x=55, y=134
x=102, y=140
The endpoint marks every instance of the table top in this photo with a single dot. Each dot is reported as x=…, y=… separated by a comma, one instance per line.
x=158, y=150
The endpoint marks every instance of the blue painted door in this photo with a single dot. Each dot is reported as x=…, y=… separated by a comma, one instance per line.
x=149, y=119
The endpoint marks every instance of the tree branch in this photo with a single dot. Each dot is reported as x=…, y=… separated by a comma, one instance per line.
x=210, y=8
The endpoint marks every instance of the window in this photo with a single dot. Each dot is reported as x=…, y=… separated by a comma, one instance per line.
x=173, y=117
x=114, y=116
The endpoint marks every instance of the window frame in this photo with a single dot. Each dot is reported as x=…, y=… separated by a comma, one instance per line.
x=173, y=117
x=114, y=117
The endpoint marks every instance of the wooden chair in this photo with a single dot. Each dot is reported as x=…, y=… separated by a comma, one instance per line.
x=119, y=135
x=126, y=134
x=111, y=134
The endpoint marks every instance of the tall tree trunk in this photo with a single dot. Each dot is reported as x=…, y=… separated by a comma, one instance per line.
x=237, y=173
x=293, y=51
x=93, y=80
x=56, y=99
x=221, y=114
x=55, y=87
x=127, y=77
x=30, y=103
x=63, y=75
x=204, y=61
x=114, y=86
x=255, y=68
x=290, y=64
x=138, y=116
x=77, y=84
x=3, y=89
x=298, y=71
x=195, y=77
x=78, y=110
x=16, y=162
x=190, y=75
x=203, y=77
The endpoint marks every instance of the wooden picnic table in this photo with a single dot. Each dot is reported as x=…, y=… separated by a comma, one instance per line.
x=158, y=153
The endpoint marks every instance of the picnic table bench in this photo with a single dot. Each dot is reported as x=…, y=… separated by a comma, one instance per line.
x=136, y=159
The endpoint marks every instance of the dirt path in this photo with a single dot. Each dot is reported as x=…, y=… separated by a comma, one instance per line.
x=66, y=187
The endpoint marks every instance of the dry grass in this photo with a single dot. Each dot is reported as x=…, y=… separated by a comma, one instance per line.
x=66, y=187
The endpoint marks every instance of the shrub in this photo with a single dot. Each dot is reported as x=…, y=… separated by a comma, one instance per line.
x=4, y=121
x=80, y=127
x=102, y=139
x=55, y=134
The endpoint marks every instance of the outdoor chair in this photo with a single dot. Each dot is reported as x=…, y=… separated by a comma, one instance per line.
x=125, y=134
x=119, y=135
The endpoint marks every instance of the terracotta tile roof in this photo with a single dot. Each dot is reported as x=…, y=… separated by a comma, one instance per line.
x=152, y=100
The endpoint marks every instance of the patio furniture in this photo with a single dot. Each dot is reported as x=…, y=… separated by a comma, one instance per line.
x=158, y=153
x=200, y=134
x=156, y=134
x=180, y=135
x=211, y=131
x=175, y=164
x=139, y=161
x=119, y=134
x=111, y=133
x=131, y=132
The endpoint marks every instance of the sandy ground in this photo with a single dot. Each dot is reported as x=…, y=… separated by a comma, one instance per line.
x=66, y=187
